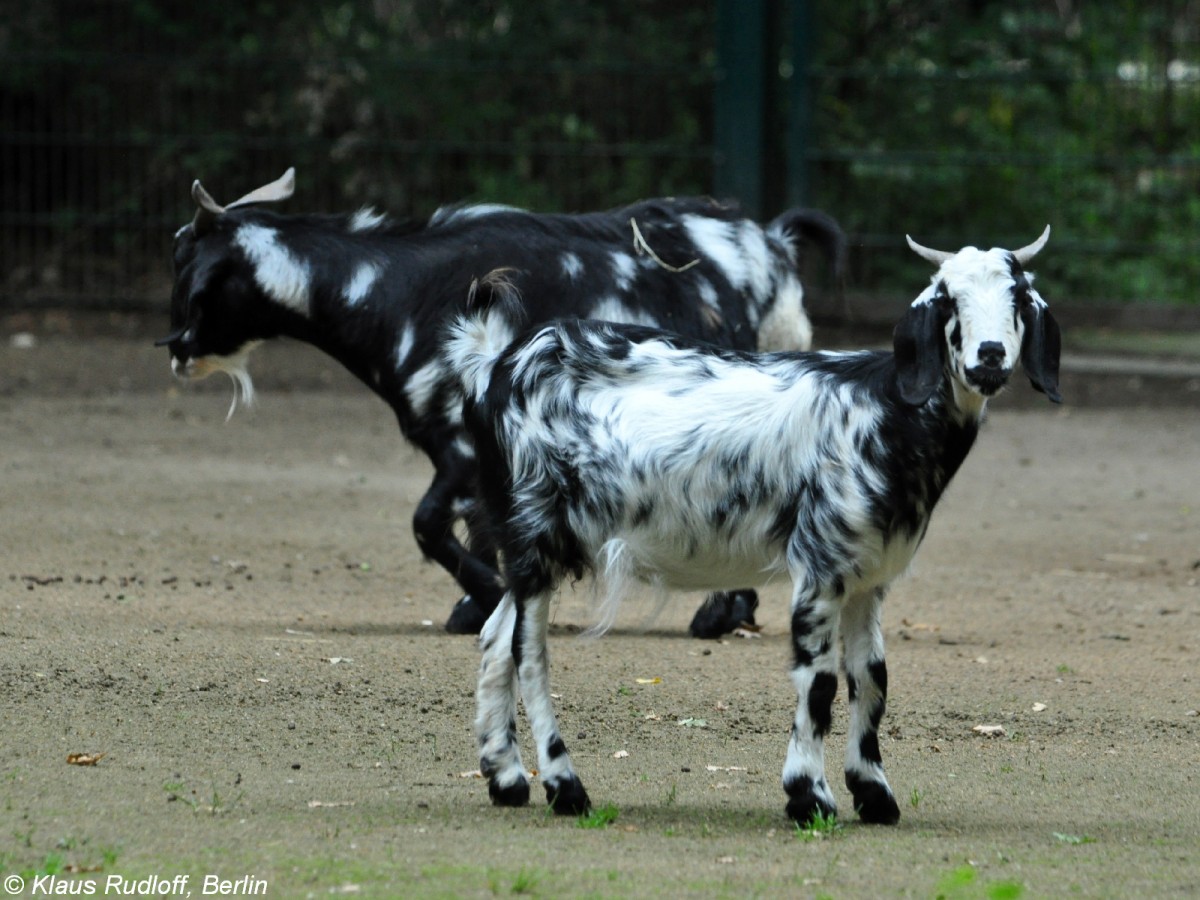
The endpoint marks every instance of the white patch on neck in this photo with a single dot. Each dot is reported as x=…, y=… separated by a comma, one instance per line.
x=971, y=404
x=361, y=282
x=366, y=219
x=279, y=274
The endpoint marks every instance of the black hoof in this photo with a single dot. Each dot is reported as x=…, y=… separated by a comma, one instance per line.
x=804, y=811
x=875, y=804
x=744, y=605
x=804, y=804
x=513, y=795
x=467, y=617
x=568, y=798
x=722, y=612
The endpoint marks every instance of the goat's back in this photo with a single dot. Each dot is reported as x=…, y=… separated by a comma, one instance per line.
x=647, y=454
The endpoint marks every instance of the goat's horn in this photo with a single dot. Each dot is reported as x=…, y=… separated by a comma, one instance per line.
x=207, y=208
x=204, y=199
x=1025, y=254
x=279, y=189
x=173, y=336
x=937, y=257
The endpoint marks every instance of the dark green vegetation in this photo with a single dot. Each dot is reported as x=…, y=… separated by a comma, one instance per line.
x=974, y=122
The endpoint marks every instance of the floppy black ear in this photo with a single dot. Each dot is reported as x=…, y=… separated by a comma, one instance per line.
x=919, y=348
x=1040, y=350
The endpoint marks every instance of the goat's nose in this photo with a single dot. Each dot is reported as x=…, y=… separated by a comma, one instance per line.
x=991, y=354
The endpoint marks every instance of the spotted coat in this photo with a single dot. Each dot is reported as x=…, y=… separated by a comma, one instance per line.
x=644, y=456
x=377, y=294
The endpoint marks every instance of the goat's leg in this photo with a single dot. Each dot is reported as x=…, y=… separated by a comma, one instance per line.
x=433, y=524
x=480, y=536
x=814, y=633
x=564, y=791
x=472, y=610
x=866, y=683
x=496, y=710
x=722, y=612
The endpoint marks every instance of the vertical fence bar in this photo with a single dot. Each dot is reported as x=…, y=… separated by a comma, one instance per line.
x=739, y=121
x=799, y=134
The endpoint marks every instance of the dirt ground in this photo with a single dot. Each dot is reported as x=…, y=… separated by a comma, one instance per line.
x=236, y=616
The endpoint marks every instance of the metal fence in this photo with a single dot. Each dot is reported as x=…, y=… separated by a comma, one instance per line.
x=88, y=205
x=93, y=185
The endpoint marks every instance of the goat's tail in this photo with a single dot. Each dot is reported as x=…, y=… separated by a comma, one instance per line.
x=817, y=228
x=476, y=339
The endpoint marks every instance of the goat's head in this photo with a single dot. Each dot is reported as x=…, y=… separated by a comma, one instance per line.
x=979, y=316
x=215, y=318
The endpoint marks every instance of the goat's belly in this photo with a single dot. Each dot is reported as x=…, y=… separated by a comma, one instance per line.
x=707, y=577
x=690, y=565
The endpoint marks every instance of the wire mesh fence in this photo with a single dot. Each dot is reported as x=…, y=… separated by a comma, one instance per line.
x=88, y=205
x=100, y=141
x=971, y=126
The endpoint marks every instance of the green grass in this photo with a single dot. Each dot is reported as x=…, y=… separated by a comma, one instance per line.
x=819, y=826
x=600, y=817
x=525, y=881
x=519, y=855
x=963, y=884
x=177, y=791
x=70, y=854
x=52, y=864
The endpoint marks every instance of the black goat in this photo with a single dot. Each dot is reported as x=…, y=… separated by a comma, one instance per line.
x=377, y=295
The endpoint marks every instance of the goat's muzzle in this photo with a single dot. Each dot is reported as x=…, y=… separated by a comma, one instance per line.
x=988, y=380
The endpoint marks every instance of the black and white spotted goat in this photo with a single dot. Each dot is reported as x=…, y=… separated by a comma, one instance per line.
x=640, y=455
x=377, y=295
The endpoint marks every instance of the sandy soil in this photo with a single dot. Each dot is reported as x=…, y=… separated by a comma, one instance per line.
x=236, y=615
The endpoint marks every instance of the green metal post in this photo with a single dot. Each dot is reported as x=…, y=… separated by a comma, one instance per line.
x=800, y=118
x=739, y=124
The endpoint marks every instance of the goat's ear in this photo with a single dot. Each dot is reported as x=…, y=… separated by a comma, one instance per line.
x=918, y=346
x=1040, y=350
